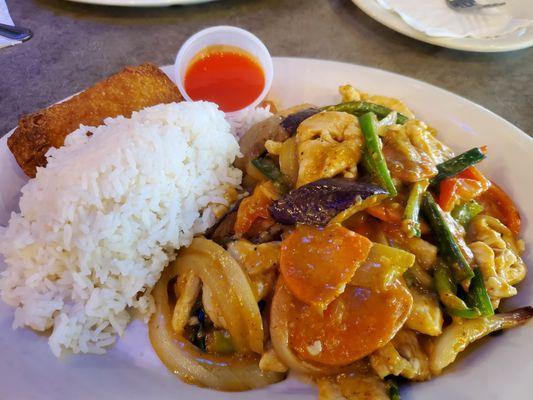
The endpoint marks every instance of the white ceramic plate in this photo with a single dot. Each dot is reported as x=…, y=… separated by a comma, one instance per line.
x=142, y=3
x=500, y=369
x=515, y=41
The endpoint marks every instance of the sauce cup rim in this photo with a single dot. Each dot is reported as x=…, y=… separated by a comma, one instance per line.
x=265, y=59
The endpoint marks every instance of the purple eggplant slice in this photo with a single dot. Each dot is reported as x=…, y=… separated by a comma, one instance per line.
x=293, y=121
x=318, y=202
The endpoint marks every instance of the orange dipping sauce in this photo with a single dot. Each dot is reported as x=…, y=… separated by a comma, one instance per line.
x=225, y=75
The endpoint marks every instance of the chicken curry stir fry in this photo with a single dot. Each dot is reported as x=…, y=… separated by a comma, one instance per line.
x=362, y=249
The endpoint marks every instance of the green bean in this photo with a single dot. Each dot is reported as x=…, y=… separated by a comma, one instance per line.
x=458, y=164
x=448, y=247
x=410, y=223
x=359, y=108
x=373, y=158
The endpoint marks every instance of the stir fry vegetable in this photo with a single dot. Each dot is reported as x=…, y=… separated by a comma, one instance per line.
x=359, y=108
x=387, y=211
x=393, y=391
x=447, y=291
x=410, y=222
x=373, y=156
x=466, y=186
x=466, y=212
x=498, y=204
x=318, y=272
x=458, y=164
x=293, y=121
x=449, y=249
x=339, y=335
x=255, y=207
x=477, y=299
x=478, y=296
x=269, y=168
x=318, y=202
x=383, y=267
x=220, y=342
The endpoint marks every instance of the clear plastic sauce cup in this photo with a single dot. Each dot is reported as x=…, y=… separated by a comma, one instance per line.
x=224, y=36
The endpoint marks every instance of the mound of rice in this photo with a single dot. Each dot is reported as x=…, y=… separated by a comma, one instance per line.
x=241, y=122
x=97, y=226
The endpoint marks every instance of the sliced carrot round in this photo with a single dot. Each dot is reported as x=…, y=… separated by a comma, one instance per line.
x=317, y=263
x=354, y=325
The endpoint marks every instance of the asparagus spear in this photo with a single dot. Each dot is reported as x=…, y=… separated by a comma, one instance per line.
x=269, y=168
x=373, y=158
x=465, y=212
x=447, y=290
x=359, y=108
x=410, y=223
x=449, y=249
x=477, y=294
x=458, y=164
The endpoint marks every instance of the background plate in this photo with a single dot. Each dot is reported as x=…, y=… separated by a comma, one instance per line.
x=142, y=3
x=516, y=41
x=500, y=369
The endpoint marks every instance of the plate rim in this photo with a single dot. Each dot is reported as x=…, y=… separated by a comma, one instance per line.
x=369, y=7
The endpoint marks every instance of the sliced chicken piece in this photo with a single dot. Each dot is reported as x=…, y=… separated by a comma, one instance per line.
x=260, y=261
x=426, y=315
x=329, y=144
x=187, y=289
x=403, y=356
x=412, y=152
x=355, y=386
x=212, y=309
x=497, y=254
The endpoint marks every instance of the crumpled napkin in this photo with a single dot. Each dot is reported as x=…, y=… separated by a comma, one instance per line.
x=5, y=18
x=436, y=18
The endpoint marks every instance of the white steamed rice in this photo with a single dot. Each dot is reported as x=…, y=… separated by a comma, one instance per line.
x=97, y=226
x=241, y=122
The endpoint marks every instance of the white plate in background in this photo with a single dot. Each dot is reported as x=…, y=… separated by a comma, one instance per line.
x=501, y=368
x=142, y=3
x=518, y=40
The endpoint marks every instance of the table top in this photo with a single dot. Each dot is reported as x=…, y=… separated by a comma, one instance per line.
x=76, y=45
